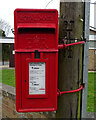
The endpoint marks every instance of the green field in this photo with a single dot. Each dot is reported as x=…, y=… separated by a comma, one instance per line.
x=8, y=77
x=91, y=97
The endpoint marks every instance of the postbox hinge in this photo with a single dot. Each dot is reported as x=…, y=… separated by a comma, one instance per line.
x=59, y=93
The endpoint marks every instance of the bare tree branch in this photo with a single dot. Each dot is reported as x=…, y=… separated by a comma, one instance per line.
x=5, y=26
x=48, y=3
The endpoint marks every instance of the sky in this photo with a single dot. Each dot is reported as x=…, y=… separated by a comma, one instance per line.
x=8, y=6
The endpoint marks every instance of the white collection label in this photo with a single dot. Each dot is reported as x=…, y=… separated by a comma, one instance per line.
x=36, y=78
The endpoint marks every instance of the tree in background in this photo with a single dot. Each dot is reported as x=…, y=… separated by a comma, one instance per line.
x=5, y=27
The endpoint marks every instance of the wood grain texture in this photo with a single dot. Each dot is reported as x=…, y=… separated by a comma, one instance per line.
x=70, y=68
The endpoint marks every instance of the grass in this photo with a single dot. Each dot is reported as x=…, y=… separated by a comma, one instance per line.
x=8, y=77
x=91, y=96
x=95, y=92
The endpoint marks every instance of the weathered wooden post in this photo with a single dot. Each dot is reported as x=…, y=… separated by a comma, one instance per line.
x=70, y=59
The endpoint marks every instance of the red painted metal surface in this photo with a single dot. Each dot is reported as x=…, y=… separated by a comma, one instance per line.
x=60, y=46
x=36, y=30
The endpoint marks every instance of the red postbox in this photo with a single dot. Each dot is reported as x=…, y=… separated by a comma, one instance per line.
x=36, y=59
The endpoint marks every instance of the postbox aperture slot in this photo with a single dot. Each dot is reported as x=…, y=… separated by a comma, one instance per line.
x=34, y=25
x=36, y=30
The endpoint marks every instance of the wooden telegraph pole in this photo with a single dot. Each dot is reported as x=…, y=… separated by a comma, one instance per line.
x=70, y=59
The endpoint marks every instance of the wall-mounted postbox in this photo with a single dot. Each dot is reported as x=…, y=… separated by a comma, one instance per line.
x=36, y=59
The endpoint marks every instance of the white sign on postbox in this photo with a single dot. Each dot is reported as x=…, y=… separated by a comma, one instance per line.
x=36, y=78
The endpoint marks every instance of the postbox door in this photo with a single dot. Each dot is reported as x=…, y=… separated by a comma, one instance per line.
x=37, y=77
x=47, y=100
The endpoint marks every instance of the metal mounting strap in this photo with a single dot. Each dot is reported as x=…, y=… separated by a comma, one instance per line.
x=61, y=46
x=59, y=93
